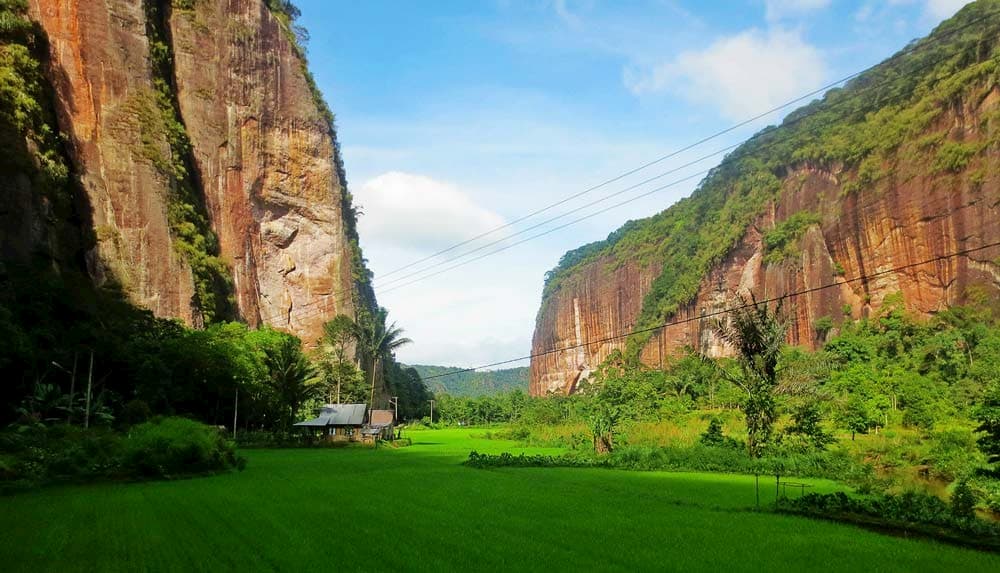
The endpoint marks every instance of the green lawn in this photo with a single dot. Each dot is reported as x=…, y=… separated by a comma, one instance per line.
x=418, y=509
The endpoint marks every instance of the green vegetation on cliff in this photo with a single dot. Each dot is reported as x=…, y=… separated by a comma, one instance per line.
x=858, y=132
x=160, y=120
x=28, y=131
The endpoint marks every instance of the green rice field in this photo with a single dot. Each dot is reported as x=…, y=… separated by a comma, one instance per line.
x=419, y=509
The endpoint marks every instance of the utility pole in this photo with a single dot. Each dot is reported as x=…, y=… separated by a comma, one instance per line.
x=90, y=380
x=72, y=388
x=432, y=411
x=236, y=405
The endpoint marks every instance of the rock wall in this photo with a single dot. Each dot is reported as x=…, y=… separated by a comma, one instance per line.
x=102, y=78
x=916, y=215
x=263, y=157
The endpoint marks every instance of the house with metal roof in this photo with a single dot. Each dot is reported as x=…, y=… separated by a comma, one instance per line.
x=339, y=422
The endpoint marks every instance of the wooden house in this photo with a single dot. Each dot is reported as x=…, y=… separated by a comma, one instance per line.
x=338, y=422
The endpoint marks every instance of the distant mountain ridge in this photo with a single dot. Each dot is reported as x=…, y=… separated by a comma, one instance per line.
x=471, y=384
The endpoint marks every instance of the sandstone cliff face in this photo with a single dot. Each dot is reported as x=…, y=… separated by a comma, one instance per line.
x=262, y=155
x=265, y=157
x=102, y=79
x=915, y=215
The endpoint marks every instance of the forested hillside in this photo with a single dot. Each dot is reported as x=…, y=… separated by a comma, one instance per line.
x=472, y=384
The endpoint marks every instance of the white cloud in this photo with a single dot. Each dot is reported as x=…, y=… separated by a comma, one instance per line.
x=741, y=75
x=778, y=9
x=941, y=9
x=419, y=213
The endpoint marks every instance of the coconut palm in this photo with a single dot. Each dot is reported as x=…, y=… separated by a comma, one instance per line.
x=378, y=341
x=757, y=334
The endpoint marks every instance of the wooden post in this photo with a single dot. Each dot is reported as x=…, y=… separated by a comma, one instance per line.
x=90, y=380
x=432, y=411
x=756, y=478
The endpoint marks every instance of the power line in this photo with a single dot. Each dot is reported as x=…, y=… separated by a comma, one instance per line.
x=723, y=311
x=764, y=145
x=901, y=53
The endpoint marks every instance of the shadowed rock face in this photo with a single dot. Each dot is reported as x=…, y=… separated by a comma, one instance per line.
x=263, y=156
x=916, y=216
x=102, y=79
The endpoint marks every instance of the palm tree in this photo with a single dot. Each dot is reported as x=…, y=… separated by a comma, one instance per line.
x=292, y=378
x=758, y=335
x=378, y=341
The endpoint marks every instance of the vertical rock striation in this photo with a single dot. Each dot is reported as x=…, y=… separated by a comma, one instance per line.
x=176, y=113
x=102, y=78
x=265, y=156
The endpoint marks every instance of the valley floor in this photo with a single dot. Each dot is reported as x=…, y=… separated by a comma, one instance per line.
x=417, y=508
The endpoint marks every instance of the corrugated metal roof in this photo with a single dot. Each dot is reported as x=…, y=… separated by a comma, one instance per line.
x=338, y=415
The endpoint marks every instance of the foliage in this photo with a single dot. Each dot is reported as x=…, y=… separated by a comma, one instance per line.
x=376, y=343
x=780, y=243
x=963, y=502
x=292, y=378
x=166, y=447
x=33, y=151
x=757, y=334
x=344, y=381
x=508, y=460
x=405, y=384
x=714, y=437
x=53, y=322
x=807, y=426
x=36, y=454
x=909, y=511
x=988, y=416
x=456, y=382
x=159, y=122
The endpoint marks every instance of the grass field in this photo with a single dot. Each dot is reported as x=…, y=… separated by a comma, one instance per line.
x=417, y=508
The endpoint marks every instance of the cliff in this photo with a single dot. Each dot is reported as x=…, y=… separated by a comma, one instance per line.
x=899, y=167
x=203, y=176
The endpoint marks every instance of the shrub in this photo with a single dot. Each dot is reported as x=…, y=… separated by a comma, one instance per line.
x=909, y=510
x=506, y=459
x=963, y=501
x=713, y=436
x=177, y=446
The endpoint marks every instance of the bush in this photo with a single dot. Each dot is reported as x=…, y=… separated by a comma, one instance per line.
x=963, y=501
x=177, y=446
x=31, y=455
x=713, y=436
x=908, y=511
x=506, y=459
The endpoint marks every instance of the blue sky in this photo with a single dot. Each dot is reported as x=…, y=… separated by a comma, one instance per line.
x=456, y=117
